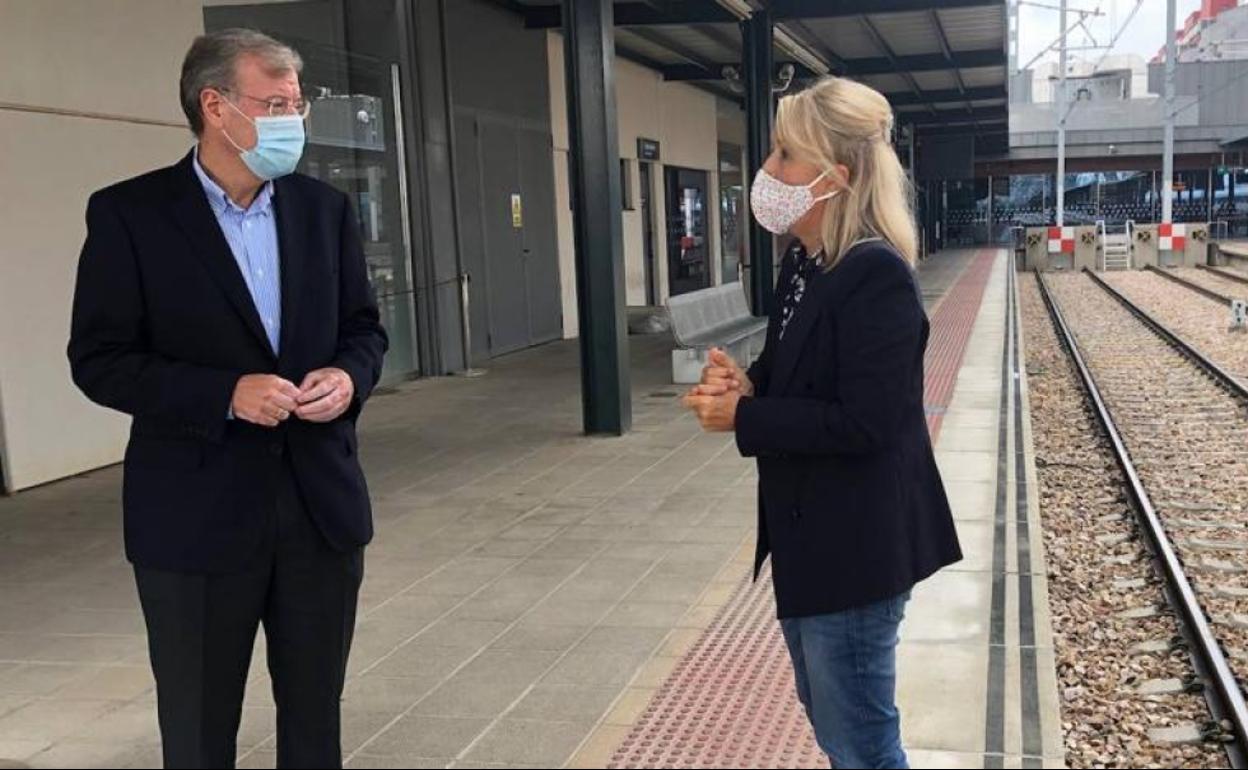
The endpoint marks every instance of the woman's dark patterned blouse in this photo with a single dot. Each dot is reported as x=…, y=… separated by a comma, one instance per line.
x=805, y=265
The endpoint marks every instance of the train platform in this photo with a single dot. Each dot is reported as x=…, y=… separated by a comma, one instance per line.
x=538, y=598
x=976, y=685
x=1234, y=252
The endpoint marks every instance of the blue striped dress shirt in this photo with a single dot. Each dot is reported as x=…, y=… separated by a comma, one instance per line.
x=252, y=235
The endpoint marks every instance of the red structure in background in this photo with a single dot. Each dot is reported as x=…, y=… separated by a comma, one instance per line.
x=1196, y=23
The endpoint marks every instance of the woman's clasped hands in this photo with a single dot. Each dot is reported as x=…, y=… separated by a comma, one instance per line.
x=714, y=400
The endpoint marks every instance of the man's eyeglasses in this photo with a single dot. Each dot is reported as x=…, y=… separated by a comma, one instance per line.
x=278, y=105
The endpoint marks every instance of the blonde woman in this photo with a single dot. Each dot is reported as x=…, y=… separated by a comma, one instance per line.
x=851, y=506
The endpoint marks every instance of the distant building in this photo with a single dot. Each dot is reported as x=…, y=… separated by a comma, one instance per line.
x=1114, y=117
x=1117, y=77
x=1216, y=32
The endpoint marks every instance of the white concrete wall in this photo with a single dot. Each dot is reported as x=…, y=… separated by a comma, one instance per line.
x=88, y=97
x=683, y=120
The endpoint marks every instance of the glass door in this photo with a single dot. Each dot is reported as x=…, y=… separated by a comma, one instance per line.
x=647, y=237
x=355, y=135
x=687, y=253
x=733, y=214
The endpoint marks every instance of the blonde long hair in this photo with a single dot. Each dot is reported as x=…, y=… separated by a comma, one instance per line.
x=842, y=122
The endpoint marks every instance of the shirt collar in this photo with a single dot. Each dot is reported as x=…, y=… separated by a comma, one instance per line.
x=802, y=258
x=220, y=202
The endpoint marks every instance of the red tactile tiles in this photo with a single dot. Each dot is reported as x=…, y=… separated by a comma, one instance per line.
x=730, y=702
x=952, y=321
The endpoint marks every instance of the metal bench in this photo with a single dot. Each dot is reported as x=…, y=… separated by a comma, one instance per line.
x=714, y=317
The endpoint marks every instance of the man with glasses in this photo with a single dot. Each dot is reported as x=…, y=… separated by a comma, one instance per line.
x=224, y=303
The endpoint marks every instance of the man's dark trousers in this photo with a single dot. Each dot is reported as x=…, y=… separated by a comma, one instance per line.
x=201, y=631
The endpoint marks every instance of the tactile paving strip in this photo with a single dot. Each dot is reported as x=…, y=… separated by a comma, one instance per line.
x=952, y=321
x=730, y=702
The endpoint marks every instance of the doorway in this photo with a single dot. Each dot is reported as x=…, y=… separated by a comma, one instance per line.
x=507, y=232
x=732, y=212
x=650, y=269
x=688, y=257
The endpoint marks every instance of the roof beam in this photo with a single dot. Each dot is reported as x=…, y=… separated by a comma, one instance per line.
x=982, y=115
x=808, y=38
x=825, y=9
x=639, y=14
x=683, y=72
x=872, y=65
x=948, y=54
x=730, y=41
x=883, y=46
x=908, y=99
x=651, y=64
x=989, y=57
x=657, y=38
x=962, y=131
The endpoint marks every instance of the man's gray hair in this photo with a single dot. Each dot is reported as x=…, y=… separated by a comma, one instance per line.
x=210, y=63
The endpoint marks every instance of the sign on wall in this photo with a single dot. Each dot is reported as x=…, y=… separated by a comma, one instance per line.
x=647, y=149
x=1171, y=237
x=1061, y=240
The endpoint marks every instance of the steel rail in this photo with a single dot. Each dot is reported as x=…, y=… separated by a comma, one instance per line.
x=1205, y=291
x=1223, y=693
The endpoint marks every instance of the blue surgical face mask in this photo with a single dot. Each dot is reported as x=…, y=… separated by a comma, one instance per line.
x=279, y=145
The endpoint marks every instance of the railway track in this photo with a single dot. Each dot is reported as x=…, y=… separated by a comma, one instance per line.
x=1196, y=286
x=1176, y=424
x=1221, y=272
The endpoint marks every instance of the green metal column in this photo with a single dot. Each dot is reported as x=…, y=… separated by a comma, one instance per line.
x=756, y=39
x=589, y=54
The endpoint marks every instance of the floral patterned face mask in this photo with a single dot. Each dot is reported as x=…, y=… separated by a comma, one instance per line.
x=778, y=206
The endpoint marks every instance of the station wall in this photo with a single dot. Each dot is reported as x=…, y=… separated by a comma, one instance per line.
x=88, y=98
x=684, y=121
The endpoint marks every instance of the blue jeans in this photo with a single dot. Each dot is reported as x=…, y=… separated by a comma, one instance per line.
x=846, y=669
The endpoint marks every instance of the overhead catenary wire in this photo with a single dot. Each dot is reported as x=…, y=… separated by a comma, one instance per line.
x=1060, y=37
x=1109, y=48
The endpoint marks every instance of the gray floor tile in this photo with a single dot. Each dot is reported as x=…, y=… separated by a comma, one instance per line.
x=619, y=639
x=96, y=755
x=386, y=694
x=639, y=614
x=488, y=685
x=549, y=638
x=48, y=720
x=456, y=632
x=109, y=683
x=426, y=736
x=134, y=723
x=565, y=703
x=362, y=761
x=598, y=669
x=525, y=742
x=503, y=537
x=567, y=612
x=40, y=678
x=419, y=660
